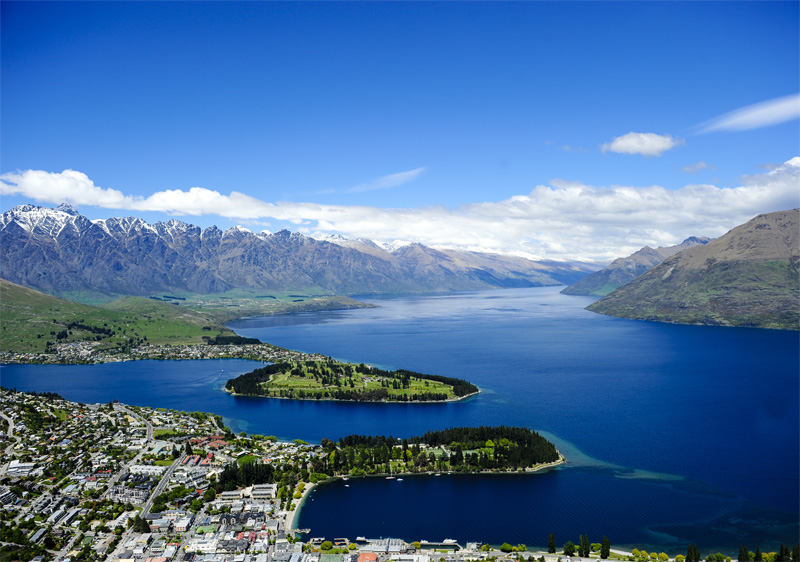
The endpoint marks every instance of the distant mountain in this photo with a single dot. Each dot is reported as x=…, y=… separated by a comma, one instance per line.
x=624, y=270
x=748, y=277
x=62, y=252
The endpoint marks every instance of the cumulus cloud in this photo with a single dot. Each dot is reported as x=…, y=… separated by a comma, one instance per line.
x=764, y=114
x=646, y=144
x=562, y=219
x=77, y=189
x=387, y=182
x=697, y=166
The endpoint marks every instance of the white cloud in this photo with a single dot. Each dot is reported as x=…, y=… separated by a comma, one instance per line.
x=646, y=144
x=764, y=114
x=561, y=220
x=387, y=182
x=697, y=166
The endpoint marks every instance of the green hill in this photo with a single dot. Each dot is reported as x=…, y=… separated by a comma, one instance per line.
x=31, y=321
x=748, y=277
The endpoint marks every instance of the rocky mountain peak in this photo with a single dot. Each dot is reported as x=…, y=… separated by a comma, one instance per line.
x=68, y=209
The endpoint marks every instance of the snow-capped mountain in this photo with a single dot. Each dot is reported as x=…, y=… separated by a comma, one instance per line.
x=59, y=251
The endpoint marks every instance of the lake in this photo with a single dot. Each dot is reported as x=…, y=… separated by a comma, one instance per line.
x=674, y=434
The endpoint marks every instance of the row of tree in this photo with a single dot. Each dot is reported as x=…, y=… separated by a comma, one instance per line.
x=692, y=553
x=583, y=548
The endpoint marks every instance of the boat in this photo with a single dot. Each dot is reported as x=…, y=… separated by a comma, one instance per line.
x=390, y=478
x=347, y=485
x=399, y=479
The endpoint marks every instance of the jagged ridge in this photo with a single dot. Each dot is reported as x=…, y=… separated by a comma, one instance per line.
x=60, y=251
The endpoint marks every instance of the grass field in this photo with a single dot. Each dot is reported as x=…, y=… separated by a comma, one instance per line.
x=319, y=376
x=361, y=382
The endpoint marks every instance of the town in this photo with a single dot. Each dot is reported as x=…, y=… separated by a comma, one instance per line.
x=131, y=484
x=87, y=352
x=95, y=482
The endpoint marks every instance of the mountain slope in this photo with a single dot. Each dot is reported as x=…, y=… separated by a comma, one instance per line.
x=61, y=252
x=33, y=320
x=748, y=277
x=624, y=270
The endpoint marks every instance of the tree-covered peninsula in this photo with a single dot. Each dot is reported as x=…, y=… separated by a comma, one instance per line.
x=458, y=449
x=333, y=380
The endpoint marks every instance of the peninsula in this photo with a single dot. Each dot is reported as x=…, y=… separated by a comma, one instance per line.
x=329, y=379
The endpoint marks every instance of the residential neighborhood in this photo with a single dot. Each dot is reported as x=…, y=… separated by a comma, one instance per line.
x=93, y=352
x=131, y=484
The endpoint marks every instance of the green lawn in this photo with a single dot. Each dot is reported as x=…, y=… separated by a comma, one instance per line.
x=327, y=374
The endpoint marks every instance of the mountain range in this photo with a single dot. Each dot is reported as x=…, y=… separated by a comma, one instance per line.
x=62, y=252
x=748, y=277
x=624, y=270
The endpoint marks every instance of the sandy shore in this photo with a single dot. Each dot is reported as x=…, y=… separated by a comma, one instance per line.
x=291, y=515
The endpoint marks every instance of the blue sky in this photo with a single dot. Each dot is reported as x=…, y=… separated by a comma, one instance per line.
x=554, y=129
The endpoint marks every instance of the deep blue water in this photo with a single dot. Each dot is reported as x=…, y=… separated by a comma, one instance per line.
x=675, y=434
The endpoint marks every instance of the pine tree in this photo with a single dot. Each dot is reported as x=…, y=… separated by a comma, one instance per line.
x=551, y=544
x=605, y=548
x=796, y=553
x=758, y=557
x=744, y=554
x=583, y=549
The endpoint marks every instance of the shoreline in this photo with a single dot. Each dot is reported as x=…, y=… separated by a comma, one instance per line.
x=291, y=516
x=457, y=399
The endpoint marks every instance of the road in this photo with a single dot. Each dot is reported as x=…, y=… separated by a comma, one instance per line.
x=15, y=440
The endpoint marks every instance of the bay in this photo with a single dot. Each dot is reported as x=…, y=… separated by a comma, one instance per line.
x=675, y=434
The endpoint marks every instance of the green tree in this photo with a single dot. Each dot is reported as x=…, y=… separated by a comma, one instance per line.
x=744, y=554
x=663, y=556
x=505, y=547
x=551, y=544
x=140, y=525
x=680, y=558
x=605, y=548
x=569, y=548
x=584, y=548
x=327, y=545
